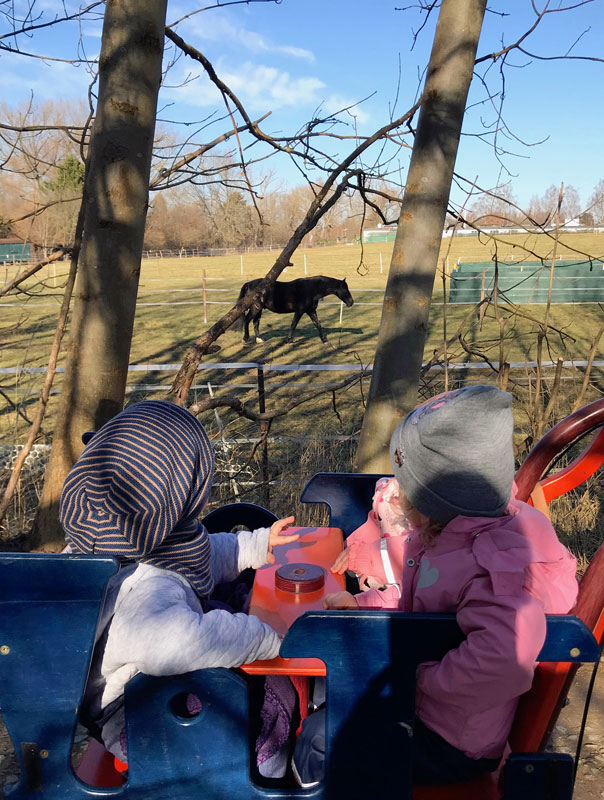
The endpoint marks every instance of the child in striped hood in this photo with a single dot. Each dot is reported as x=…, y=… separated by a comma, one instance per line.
x=136, y=493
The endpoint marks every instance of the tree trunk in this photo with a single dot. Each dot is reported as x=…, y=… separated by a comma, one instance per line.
x=116, y=196
x=404, y=324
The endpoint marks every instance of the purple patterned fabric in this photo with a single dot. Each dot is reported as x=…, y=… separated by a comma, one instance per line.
x=276, y=715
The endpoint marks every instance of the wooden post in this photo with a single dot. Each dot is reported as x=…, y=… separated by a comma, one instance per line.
x=203, y=288
x=263, y=434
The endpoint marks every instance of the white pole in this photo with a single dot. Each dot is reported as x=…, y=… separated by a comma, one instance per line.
x=381, y=264
x=205, y=300
x=305, y=263
x=241, y=258
x=341, y=309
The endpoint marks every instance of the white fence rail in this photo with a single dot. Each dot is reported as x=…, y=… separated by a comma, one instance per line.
x=246, y=365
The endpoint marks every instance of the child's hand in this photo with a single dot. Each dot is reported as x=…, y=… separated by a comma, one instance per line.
x=340, y=600
x=276, y=537
x=340, y=565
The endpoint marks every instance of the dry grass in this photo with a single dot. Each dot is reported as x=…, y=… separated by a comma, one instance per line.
x=577, y=518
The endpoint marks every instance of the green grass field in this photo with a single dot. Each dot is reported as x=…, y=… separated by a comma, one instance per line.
x=170, y=316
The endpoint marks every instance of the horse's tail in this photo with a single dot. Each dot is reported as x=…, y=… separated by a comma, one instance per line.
x=238, y=324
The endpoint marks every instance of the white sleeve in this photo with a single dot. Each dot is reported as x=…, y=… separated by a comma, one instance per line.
x=233, y=552
x=157, y=630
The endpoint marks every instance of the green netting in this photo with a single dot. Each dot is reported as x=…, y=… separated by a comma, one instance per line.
x=528, y=282
x=385, y=236
x=15, y=251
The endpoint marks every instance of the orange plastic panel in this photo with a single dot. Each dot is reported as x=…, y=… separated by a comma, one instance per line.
x=280, y=609
x=577, y=472
x=553, y=443
x=484, y=787
x=98, y=767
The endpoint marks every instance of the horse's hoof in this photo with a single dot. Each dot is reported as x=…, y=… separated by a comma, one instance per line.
x=259, y=340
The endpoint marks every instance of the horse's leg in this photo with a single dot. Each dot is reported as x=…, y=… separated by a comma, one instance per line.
x=259, y=339
x=313, y=315
x=246, y=326
x=295, y=321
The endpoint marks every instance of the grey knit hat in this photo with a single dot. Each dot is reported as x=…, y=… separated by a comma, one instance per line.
x=454, y=455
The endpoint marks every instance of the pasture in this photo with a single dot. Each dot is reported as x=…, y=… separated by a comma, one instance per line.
x=170, y=316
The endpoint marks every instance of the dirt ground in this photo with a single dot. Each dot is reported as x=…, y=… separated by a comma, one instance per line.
x=590, y=776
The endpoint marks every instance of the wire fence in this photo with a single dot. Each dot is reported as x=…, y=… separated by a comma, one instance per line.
x=243, y=468
x=208, y=252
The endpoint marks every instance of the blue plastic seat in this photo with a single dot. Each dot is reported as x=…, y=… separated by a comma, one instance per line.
x=347, y=494
x=49, y=607
x=227, y=517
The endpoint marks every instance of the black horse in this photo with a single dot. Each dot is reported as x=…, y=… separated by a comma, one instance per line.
x=298, y=297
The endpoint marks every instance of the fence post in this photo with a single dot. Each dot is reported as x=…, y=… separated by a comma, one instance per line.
x=203, y=288
x=263, y=435
x=381, y=265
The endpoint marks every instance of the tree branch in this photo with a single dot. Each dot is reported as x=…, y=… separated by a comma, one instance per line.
x=244, y=410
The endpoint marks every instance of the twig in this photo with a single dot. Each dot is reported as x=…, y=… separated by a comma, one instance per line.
x=244, y=410
x=539, y=410
x=592, y=354
x=7, y=287
x=44, y=393
x=16, y=407
x=52, y=365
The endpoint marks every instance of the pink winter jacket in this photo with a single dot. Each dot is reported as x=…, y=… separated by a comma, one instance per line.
x=500, y=576
x=379, y=566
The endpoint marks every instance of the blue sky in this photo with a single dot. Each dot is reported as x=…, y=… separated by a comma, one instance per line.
x=293, y=57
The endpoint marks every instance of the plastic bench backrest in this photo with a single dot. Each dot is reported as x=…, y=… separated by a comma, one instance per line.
x=227, y=517
x=348, y=496
x=539, y=709
x=49, y=607
x=49, y=614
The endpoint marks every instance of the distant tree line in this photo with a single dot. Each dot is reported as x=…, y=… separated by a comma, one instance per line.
x=43, y=192
x=499, y=207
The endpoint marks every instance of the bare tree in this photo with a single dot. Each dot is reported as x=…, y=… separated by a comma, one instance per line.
x=116, y=195
x=403, y=327
x=596, y=202
x=495, y=208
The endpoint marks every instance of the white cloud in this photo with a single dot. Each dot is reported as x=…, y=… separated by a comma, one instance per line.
x=55, y=79
x=270, y=85
x=94, y=31
x=257, y=86
x=222, y=29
